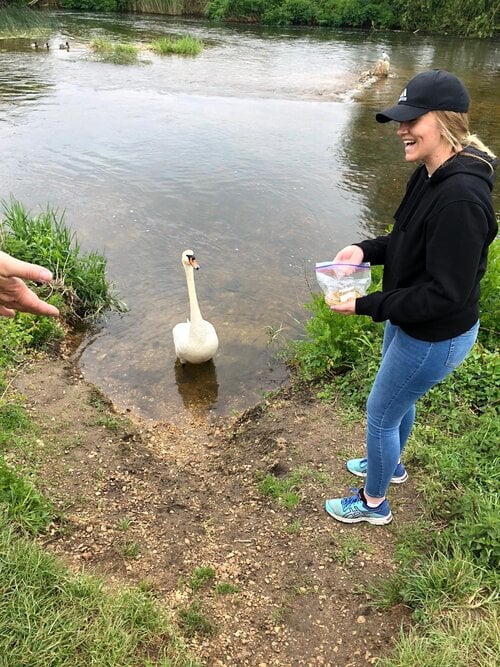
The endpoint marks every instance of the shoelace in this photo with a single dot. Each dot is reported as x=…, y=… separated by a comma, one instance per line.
x=347, y=502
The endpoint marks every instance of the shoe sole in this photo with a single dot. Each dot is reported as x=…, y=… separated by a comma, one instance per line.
x=394, y=480
x=375, y=521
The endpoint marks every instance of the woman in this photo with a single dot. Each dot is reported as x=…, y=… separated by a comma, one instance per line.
x=434, y=259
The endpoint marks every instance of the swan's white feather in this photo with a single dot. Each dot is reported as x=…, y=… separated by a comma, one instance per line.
x=195, y=341
x=195, y=347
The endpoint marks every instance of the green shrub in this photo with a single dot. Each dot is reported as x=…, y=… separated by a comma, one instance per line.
x=219, y=10
x=90, y=5
x=335, y=343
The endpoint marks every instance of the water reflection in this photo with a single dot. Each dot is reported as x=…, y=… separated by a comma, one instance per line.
x=197, y=385
x=24, y=77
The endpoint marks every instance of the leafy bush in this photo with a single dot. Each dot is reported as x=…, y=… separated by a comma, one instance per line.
x=220, y=10
x=292, y=12
x=335, y=343
x=90, y=5
x=463, y=17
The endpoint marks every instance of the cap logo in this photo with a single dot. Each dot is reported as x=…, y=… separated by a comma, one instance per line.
x=403, y=96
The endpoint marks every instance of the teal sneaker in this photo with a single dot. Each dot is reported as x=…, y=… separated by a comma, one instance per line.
x=354, y=509
x=358, y=467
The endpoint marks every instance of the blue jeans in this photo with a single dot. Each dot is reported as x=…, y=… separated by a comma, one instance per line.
x=409, y=368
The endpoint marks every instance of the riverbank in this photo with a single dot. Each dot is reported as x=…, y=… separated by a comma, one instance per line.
x=179, y=511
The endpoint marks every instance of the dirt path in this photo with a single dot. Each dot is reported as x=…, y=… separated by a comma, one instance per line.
x=151, y=503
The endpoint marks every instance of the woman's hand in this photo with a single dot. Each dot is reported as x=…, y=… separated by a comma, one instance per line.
x=345, y=308
x=351, y=254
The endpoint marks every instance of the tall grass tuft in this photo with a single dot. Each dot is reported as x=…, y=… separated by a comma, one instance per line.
x=23, y=506
x=18, y=21
x=80, y=277
x=166, y=7
x=185, y=46
x=120, y=54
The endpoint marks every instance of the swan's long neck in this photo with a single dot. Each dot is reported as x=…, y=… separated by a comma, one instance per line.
x=194, y=309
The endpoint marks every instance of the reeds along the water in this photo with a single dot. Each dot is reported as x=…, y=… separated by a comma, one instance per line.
x=186, y=45
x=14, y=19
x=168, y=7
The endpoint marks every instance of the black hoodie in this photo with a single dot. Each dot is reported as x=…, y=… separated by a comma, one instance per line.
x=436, y=253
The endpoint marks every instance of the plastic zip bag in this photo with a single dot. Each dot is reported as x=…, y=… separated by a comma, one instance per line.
x=343, y=282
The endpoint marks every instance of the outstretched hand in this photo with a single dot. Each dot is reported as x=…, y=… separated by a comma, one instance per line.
x=15, y=294
x=351, y=254
x=345, y=308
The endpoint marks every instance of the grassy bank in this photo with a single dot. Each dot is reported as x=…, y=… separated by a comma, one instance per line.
x=449, y=561
x=48, y=615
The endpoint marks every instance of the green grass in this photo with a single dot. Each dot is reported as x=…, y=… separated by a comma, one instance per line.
x=168, y=7
x=193, y=621
x=80, y=277
x=20, y=503
x=19, y=21
x=225, y=588
x=469, y=639
x=120, y=54
x=200, y=577
x=185, y=46
x=347, y=547
x=286, y=490
x=49, y=616
x=131, y=550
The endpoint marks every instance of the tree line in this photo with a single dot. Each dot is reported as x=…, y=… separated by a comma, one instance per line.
x=469, y=18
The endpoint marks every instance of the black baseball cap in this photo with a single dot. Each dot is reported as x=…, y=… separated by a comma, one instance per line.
x=434, y=90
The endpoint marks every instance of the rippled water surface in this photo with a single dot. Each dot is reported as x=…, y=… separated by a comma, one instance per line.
x=260, y=154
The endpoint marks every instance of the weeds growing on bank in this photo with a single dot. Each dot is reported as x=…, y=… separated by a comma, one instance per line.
x=120, y=54
x=52, y=617
x=450, y=559
x=84, y=292
x=19, y=21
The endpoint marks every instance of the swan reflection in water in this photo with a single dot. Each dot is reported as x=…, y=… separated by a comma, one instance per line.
x=197, y=384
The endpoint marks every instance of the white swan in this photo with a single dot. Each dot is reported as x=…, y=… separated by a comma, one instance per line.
x=195, y=340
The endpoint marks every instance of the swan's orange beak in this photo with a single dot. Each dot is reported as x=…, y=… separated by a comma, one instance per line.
x=193, y=262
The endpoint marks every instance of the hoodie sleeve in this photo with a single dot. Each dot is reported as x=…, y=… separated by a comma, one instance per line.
x=374, y=250
x=454, y=246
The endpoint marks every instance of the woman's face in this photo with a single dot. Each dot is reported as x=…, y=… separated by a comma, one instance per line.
x=423, y=142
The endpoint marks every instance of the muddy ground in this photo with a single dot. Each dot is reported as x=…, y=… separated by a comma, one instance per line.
x=150, y=502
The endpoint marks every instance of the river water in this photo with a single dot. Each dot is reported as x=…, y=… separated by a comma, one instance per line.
x=261, y=154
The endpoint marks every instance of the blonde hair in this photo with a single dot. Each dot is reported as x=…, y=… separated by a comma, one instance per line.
x=454, y=127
